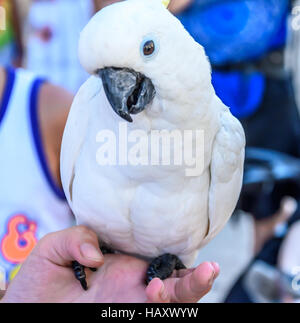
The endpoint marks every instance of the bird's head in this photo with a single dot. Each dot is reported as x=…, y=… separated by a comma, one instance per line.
x=142, y=52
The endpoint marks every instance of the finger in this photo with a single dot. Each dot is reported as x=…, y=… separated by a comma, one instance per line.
x=156, y=292
x=288, y=207
x=183, y=272
x=193, y=286
x=217, y=269
x=77, y=243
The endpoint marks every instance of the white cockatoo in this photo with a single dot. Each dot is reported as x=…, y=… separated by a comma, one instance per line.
x=146, y=69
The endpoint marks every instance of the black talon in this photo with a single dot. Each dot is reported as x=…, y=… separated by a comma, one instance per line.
x=79, y=274
x=162, y=267
x=79, y=269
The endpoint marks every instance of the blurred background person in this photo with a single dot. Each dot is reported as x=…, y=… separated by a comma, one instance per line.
x=53, y=28
x=246, y=42
x=32, y=203
x=273, y=276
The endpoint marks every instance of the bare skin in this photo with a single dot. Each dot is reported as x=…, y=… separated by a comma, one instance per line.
x=264, y=229
x=18, y=35
x=54, y=105
x=175, y=6
x=100, y=4
x=122, y=278
x=2, y=80
x=119, y=279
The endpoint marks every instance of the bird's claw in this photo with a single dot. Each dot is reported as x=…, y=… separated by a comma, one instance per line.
x=163, y=266
x=79, y=272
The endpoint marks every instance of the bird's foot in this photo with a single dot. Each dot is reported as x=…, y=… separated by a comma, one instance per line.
x=79, y=274
x=106, y=250
x=79, y=271
x=162, y=267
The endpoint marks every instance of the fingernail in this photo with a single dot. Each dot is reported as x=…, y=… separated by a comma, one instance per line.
x=212, y=277
x=163, y=293
x=90, y=252
x=216, y=267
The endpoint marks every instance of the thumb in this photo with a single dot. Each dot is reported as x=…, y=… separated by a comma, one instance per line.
x=77, y=243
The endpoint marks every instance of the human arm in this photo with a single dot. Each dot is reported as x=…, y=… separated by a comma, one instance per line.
x=18, y=34
x=53, y=108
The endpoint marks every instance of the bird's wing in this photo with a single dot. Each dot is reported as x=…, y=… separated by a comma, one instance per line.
x=75, y=131
x=226, y=172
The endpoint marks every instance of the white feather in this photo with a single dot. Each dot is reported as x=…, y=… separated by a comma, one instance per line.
x=151, y=210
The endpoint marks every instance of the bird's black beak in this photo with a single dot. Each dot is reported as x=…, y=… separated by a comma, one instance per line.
x=127, y=91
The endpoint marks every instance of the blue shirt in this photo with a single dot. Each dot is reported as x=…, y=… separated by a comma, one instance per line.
x=233, y=31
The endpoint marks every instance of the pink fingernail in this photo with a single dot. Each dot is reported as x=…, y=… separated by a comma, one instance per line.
x=212, y=277
x=216, y=267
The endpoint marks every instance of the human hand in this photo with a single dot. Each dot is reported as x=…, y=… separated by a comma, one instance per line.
x=46, y=275
x=265, y=228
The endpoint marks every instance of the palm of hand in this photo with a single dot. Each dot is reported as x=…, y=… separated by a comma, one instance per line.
x=120, y=279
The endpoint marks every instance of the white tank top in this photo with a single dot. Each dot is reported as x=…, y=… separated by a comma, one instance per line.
x=55, y=56
x=31, y=205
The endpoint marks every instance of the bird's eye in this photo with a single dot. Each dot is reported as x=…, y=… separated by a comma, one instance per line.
x=149, y=47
